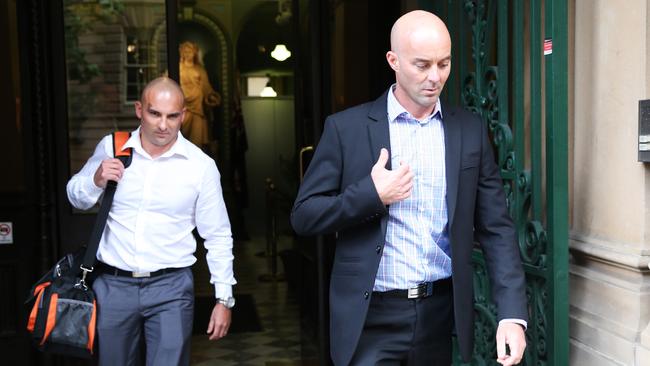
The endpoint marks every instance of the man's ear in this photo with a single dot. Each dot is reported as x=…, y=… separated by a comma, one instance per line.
x=183, y=112
x=393, y=61
x=138, y=109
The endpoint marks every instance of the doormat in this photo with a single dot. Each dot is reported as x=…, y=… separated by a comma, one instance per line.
x=244, y=314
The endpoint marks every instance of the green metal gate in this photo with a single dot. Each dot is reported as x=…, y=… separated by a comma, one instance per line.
x=510, y=67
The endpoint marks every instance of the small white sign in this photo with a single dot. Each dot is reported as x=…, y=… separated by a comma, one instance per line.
x=644, y=147
x=6, y=233
x=644, y=138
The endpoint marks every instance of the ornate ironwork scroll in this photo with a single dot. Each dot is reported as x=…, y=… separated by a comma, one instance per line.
x=490, y=38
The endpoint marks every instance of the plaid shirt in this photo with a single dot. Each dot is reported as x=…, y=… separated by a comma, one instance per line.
x=417, y=243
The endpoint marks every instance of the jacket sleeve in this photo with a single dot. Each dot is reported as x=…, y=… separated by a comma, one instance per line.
x=323, y=204
x=495, y=231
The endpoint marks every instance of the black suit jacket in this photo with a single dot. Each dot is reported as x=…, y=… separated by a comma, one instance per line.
x=338, y=195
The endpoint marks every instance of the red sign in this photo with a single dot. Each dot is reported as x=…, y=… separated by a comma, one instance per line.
x=548, y=46
x=5, y=230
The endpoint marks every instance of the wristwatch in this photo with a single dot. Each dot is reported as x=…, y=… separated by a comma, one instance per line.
x=228, y=302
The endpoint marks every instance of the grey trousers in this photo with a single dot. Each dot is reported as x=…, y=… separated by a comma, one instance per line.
x=153, y=312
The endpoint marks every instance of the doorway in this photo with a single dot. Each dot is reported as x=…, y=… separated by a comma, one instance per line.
x=112, y=50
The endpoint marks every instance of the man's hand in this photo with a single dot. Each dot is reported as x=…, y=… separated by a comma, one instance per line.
x=513, y=335
x=219, y=322
x=392, y=185
x=109, y=169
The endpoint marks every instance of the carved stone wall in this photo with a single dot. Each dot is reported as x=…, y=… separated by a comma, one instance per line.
x=610, y=216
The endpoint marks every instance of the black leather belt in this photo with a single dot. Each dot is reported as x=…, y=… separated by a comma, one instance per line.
x=420, y=291
x=108, y=269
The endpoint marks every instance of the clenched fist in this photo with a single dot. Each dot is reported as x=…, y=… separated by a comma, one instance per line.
x=109, y=169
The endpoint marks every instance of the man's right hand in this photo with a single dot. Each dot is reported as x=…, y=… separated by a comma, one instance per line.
x=392, y=185
x=109, y=169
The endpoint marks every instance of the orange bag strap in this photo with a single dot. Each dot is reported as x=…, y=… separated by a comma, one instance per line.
x=119, y=139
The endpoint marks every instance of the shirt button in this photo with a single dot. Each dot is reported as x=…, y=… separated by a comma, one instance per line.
x=366, y=295
x=378, y=249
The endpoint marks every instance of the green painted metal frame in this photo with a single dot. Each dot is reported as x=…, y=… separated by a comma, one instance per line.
x=501, y=73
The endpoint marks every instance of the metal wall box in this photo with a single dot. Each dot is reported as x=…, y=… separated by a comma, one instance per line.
x=644, y=131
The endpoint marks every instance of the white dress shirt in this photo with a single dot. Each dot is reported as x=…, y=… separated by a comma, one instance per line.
x=157, y=204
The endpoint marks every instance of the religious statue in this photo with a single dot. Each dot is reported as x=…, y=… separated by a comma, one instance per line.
x=198, y=94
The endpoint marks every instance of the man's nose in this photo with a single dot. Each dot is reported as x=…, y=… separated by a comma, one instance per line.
x=434, y=75
x=163, y=124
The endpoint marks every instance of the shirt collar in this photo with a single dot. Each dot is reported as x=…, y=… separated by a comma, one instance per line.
x=395, y=109
x=178, y=148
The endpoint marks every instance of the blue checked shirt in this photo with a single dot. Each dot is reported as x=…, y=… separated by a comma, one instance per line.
x=417, y=243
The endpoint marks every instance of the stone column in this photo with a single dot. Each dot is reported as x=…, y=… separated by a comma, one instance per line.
x=610, y=211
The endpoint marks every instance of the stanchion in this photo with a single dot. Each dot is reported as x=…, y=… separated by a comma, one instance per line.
x=269, y=187
x=271, y=235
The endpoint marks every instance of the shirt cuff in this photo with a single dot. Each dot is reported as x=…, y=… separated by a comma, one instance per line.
x=521, y=322
x=222, y=291
x=91, y=189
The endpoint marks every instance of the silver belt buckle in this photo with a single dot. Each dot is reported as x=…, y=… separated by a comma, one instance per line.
x=140, y=274
x=414, y=292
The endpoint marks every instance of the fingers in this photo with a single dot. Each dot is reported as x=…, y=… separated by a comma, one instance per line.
x=516, y=352
x=512, y=335
x=501, y=345
x=391, y=185
x=219, y=322
x=383, y=159
x=109, y=169
x=218, y=333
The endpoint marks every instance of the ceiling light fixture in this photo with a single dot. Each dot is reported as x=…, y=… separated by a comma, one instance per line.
x=280, y=52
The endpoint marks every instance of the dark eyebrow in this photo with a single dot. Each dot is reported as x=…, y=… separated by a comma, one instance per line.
x=172, y=115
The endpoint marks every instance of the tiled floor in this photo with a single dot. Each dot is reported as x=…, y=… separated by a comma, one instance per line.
x=279, y=343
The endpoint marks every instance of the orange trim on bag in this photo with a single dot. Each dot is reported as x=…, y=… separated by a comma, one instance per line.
x=119, y=139
x=91, y=328
x=40, y=290
x=51, y=317
x=41, y=286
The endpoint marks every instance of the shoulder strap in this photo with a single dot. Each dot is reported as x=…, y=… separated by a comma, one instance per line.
x=119, y=139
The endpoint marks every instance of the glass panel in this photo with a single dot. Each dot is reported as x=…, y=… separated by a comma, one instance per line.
x=11, y=147
x=113, y=48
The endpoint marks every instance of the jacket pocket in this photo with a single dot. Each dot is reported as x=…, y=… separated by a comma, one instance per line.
x=471, y=160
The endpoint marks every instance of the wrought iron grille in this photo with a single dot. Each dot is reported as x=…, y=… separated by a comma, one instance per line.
x=510, y=67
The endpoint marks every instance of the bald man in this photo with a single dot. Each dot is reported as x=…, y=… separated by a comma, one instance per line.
x=145, y=290
x=409, y=185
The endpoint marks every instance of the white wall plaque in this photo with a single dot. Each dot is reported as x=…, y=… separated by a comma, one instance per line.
x=6, y=233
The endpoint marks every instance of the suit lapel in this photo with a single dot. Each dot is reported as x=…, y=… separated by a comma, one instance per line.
x=452, y=158
x=378, y=136
x=378, y=128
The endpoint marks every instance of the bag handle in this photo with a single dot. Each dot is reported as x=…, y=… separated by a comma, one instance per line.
x=125, y=156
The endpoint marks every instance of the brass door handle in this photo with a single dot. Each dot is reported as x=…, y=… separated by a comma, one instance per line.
x=302, y=159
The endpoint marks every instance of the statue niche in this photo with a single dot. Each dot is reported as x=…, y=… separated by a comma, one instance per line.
x=200, y=97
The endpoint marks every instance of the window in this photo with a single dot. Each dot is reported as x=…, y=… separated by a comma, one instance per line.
x=138, y=67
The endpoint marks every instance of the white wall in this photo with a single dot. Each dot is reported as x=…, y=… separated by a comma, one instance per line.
x=271, y=151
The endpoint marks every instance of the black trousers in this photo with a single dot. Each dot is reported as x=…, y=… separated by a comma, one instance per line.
x=401, y=331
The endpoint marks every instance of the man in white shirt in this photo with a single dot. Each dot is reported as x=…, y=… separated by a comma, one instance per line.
x=145, y=287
